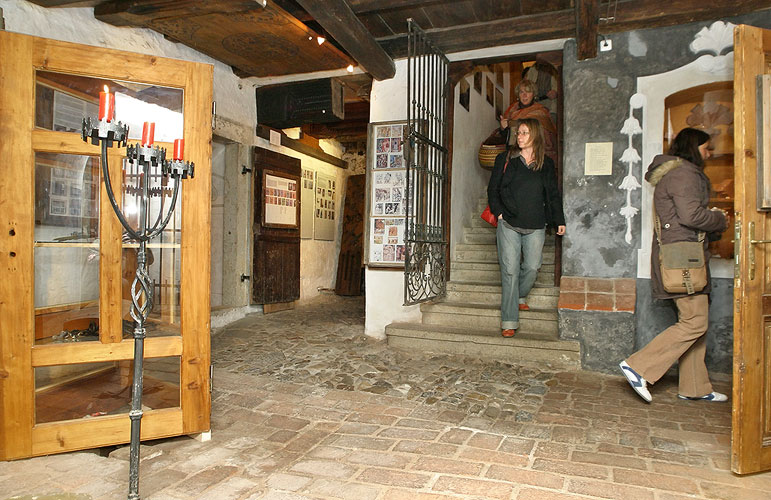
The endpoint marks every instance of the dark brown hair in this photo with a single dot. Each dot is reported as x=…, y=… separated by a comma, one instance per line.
x=686, y=145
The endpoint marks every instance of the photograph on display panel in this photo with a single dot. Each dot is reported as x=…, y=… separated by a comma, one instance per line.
x=281, y=207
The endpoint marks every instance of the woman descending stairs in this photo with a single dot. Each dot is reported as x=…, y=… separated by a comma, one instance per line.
x=467, y=320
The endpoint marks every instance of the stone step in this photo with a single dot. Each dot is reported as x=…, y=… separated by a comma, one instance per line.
x=465, y=252
x=485, y=293
x=536, y=322
x=479, y=238
x=489, y=272
x=485, y=343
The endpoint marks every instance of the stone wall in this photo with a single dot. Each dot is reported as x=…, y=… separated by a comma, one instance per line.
x=597, y=95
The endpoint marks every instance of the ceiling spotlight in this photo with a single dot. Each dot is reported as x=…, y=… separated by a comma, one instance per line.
x=310, y=37
x=321, y=39
x=350, y=68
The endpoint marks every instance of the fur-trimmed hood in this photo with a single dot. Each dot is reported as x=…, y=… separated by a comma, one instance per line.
x=661, y=166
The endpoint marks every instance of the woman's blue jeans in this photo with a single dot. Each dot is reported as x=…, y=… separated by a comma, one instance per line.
x=520, y=257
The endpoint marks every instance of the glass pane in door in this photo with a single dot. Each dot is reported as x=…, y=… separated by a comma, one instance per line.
x=162, y=255
x=63, y=100
x=66, y=242
x=87, y=390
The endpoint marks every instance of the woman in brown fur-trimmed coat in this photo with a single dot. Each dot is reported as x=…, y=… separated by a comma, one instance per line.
x=680, y=199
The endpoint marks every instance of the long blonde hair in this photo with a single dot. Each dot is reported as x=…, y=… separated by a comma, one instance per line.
x=536, y=134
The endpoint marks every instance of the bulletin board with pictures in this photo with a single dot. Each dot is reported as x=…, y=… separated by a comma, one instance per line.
x=324, y=213
x=307, y=196
x=281, y=207
x=386, y=202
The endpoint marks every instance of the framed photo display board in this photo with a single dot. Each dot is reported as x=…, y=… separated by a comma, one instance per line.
x=281, y=207
x=307, y=193
x=324, y=223
x=386, y=196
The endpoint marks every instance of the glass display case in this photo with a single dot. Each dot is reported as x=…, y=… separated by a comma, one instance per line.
x=67, y=347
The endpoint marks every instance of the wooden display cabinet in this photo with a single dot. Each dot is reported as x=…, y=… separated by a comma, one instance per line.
x=66, y=349
x=710, y=108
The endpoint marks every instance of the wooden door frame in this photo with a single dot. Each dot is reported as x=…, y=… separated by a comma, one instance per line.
x=22, y=56
x=751, y=422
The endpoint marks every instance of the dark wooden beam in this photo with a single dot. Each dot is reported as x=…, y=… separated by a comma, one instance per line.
x=587, y=17
x=337, y=18
x=633, y=14
x=144, y=12
x=557, y=24
x=364, y=6
x=294, y=144
x=630, y=15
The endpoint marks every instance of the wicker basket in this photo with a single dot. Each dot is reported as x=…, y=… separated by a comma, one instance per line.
x=487, y=154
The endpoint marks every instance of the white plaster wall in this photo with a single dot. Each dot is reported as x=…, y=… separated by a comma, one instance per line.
x=385, y=288
x=656, y=88
x=469, y=180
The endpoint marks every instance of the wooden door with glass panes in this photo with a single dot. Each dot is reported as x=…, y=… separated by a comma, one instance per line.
x=66, y=350
x=751, y=424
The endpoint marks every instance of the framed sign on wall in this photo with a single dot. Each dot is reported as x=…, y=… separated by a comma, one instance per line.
x=386, y=196
x=280, y=202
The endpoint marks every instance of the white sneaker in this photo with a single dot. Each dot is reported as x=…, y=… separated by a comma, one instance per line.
x=716, y=397
x=638, y=383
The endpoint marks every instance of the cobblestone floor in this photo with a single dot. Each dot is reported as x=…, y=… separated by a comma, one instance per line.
x=306, y=407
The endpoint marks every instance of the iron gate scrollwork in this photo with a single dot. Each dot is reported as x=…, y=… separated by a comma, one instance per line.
x=425, y=237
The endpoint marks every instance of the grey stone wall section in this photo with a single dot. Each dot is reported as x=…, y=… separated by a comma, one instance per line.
x=596, y=98
x=606, y=337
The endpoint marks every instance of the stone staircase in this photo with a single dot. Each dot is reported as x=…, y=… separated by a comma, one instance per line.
x=467, y=320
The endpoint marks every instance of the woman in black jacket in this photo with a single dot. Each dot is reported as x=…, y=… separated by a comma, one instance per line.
x=523, y=194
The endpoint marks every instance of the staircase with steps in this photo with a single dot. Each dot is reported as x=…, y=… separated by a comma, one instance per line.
x=467, y=320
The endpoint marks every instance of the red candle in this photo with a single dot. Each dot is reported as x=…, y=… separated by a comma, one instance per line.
x=148, y=134
x=106, y=105
x=179, y=149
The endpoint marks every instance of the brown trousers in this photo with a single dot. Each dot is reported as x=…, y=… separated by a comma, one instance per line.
x=686, y=341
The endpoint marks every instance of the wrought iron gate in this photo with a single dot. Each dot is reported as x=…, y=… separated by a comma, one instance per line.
x=425, y=239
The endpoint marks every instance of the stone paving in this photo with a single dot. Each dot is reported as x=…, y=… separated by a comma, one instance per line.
x=306, y=407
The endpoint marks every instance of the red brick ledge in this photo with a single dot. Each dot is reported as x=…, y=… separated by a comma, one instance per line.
x=598, y=294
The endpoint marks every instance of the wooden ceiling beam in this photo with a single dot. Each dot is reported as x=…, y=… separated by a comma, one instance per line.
x=337, y=18
x=144, y=12
x=633, y=14
x=587, y=19
x=557, y=24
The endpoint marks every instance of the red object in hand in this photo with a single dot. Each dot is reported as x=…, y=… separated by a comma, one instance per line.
x=148, y=134
x=179, y=149
x=106, y=105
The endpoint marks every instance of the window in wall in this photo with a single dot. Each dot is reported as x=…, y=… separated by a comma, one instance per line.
x=709, y=108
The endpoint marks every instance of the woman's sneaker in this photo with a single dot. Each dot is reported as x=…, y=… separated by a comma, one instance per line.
x=712, y=396
x=638, y=383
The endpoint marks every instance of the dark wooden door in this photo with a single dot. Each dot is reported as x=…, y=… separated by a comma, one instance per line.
x=276, y=261
x=349, y=262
